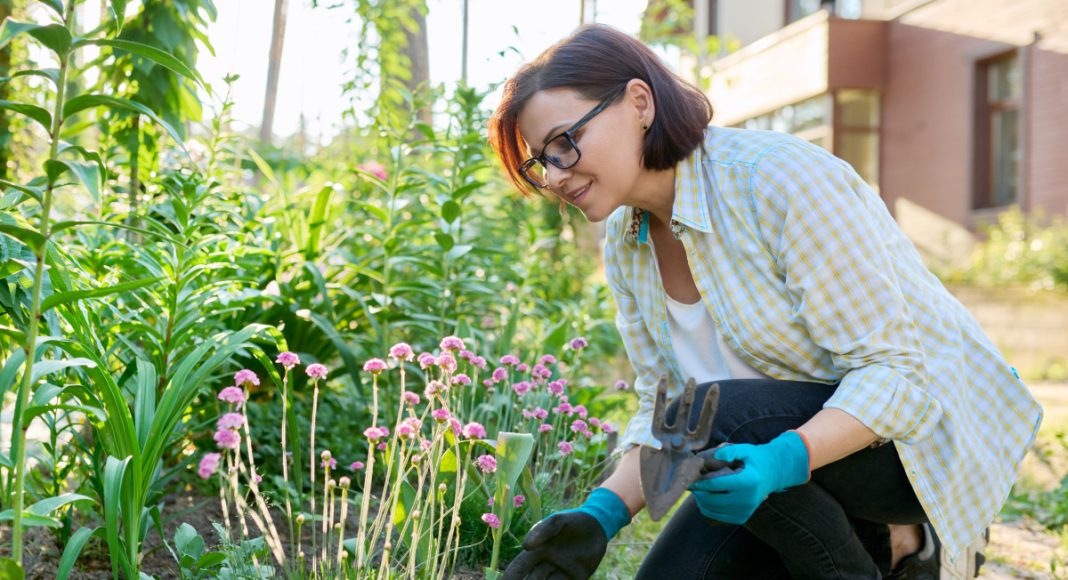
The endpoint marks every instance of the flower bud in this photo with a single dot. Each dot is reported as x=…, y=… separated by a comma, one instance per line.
x=330, y=485
x=337, y=527
x=344, y=482
x=416, y=515
x=300, y=519
x=344, y=555
x=325, y=455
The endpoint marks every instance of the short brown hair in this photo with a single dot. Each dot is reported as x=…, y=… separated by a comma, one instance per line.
x=595, y=61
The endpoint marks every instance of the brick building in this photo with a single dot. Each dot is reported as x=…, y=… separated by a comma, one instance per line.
x=952, y=109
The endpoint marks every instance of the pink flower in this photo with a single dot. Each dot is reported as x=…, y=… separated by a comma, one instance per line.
x=487, y=463
x=329, y=462
x=374, y=366
x=607, y=427
x=425, y=444
x=288, y=359
x=425, y=360
x=440, y=415
x=581, y=411
x=375, y=433
x=208, y=465
x=544, y=427
x=621, y=385
x=227, y=439
x=579, y=425
x=491, y=520
x=509, y=360
x=232, y=395
x=457, y=427
x=410, y=398
x=499, y=374
x=446, y=362
x=540, y=414
x=578, y=343
x=409, y=428
x=434, y=388
x=487, y=383
x=557, y=387
x=246, y=377
x=356, y=466
x=528, y=414
x=522, y=367
x=540, y=372
x=401, y=351
x=382, y=446
x=465, y=355
x=316, y=371
x=587, y=434
x=479, y=363
x=461, y=379
x=451, y=343
x=474, y=431
x=231, y=421
x=563, y=409
x=565, y=448
x=594, y=421
x=374, y=168
x=548, y=360
x=518, y=500
x=521, y=388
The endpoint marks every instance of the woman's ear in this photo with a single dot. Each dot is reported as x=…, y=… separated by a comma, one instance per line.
x=640, y=98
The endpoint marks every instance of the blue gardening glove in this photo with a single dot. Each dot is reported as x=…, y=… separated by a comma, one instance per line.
x=776, y=465
x=571, y=543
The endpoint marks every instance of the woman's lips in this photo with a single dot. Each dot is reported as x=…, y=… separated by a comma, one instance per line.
x=581, y=193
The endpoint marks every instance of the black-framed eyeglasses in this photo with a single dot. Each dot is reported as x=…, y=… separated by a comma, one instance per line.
x=561, y=151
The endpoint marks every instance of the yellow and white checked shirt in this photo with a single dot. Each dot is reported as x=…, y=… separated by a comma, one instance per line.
x=808, y=278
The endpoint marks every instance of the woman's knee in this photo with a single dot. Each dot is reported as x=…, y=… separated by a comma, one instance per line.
x=753, y=410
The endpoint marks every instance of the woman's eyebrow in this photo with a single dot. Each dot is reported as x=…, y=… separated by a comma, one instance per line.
x=553, y=133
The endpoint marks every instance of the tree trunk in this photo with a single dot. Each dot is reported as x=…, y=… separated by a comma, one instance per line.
x=417, y=51
x=273, y=68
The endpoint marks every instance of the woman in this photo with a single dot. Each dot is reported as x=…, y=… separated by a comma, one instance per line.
x=761, y=262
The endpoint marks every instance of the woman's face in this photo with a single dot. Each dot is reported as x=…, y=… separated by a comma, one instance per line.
x=610, y=145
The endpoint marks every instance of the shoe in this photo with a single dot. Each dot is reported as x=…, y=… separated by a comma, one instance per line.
x=924, y=564
x=930, y=563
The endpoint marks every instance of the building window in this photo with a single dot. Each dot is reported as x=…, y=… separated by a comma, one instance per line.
x=798, y=9
x=808, y=119
x=997, y=132
x=856, y=131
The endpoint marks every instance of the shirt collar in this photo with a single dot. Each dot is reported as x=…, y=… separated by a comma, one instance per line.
x=691, y=193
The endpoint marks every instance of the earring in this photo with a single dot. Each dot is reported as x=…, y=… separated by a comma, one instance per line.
x=645, y=127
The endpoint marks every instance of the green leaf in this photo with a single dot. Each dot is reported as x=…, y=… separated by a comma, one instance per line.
x=530, y=490
x=462, y=191
x=426, y=130
x=73, y=550
x=32, y=111
x=444, y=240
x=48, y=505
x=30, y=520
x=83, y=102
x=56, y=5
x=460, y=251
x=114, y=473
x=10, y=569
x=34, y=192
x=317, y=221
x=144, y=399
x=512, y=452
x=450, y=210
x=87, y=173
x=188, y=541
x=31, y=238
x=48, y=366
x=54, y=36
x=62, y=298
x=152, y=53
x=118, y=11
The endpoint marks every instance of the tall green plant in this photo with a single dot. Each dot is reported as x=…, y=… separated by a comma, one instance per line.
x=66, y=164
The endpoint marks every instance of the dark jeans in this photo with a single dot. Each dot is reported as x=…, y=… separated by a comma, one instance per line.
x=834, y=526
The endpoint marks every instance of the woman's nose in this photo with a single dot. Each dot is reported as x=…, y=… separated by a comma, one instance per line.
x=555, y=178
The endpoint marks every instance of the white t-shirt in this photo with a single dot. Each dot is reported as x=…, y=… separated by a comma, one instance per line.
x=699, y=347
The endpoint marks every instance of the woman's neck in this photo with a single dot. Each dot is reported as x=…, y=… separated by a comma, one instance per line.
x=655, y=192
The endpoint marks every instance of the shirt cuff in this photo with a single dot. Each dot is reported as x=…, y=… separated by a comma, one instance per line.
x=887, y=403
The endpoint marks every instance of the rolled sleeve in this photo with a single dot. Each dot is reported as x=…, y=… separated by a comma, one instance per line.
x=832, y=240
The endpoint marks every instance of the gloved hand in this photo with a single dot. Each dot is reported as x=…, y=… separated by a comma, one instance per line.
x=774, y=466
x=571, y=542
